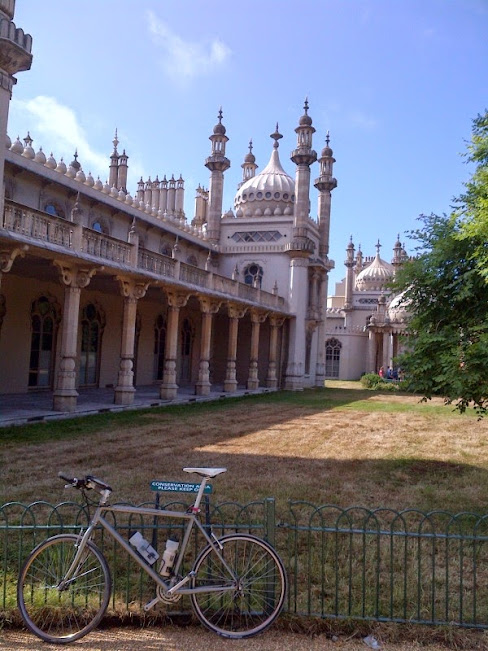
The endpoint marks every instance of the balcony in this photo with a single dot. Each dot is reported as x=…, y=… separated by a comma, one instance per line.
x=26, y=225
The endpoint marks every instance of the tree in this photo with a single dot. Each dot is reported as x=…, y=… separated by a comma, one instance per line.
x=445, y=288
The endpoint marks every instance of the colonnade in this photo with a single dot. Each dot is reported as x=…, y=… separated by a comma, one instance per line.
x=75, y=279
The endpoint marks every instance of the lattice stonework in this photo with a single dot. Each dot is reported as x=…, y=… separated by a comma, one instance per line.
x=257, y=236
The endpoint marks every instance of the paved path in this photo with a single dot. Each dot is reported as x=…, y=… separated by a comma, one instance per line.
x=196, y=638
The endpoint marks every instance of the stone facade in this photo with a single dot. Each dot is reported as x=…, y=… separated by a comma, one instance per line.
x=103, y=288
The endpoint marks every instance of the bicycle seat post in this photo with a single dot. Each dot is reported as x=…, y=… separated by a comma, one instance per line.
x=198, y=498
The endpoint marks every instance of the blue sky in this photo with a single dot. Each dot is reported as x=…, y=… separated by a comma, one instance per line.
x=397, y=83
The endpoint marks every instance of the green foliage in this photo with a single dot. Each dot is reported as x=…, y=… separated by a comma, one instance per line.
x=374, y=381
x=446, y=290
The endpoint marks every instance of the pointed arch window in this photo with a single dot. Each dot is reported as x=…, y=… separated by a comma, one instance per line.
x=332, y=357
x=159, y=347
x=253, y=275
x=92, y=326
x=45, y=317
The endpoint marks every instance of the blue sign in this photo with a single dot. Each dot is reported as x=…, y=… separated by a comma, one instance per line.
x=177, y=487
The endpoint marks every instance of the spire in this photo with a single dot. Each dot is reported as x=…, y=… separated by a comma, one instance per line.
x=249, y=166
x=378, y=247
x=276, y=136
x=115, y=141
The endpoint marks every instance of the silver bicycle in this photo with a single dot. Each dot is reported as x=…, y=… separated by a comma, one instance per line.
x=237, y=585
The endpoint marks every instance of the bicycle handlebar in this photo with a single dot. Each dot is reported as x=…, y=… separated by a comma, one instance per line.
x=88, y=482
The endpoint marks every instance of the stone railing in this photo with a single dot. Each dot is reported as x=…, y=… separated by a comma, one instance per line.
x=42, y=227
x=156, y=263
x=37, y=225
x=106, y=247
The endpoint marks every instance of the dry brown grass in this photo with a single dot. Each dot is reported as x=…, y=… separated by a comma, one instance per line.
x=342, y=445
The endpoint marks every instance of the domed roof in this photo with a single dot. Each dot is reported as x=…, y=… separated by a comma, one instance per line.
x=375, y=276
x=269, y=192
x=398, y=308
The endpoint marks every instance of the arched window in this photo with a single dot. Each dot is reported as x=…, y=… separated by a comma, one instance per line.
x=53, y=208
x=45, y=316
x=92, y=326
x=253, y=275
x=159, y=347
x=192, y=260
x=332, y=357
x=100, y=226
x=186, y=346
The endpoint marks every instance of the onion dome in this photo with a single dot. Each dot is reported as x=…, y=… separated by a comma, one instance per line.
x=268, y=193
x=80, y=176
x=90, y=181
x=327, y=151
x=74, y=163
x=98, y=184
x=398, y=309
x=61, y=167
x=376, y=275
x=17, y=146
x=28, y=151
x=305, y=120
x=40, y=157
x=51, y=162
x=219, y=129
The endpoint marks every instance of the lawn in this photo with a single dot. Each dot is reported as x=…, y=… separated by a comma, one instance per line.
x=341, y=444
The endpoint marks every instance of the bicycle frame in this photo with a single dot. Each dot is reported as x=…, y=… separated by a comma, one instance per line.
x=191, y=515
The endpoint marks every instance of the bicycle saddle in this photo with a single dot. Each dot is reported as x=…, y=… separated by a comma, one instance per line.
x=206, y=472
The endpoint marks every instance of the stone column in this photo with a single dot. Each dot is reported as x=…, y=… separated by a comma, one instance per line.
x=75, y=279
x=235, y=313
x=371, y=355
x=209, y=308
x=256, y=319
x=132, y=292
x=322, y=310
x=169, y=388
x=275, y=323
x=298, y=300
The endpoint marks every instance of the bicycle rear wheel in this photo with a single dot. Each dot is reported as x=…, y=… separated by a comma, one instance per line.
x=63, y=615
x=247, y=586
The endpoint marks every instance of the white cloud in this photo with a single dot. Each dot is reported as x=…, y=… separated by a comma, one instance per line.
x=56, y=128
x=184, y=59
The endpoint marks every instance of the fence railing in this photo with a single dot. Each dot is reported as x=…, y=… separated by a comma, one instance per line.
x=381, y=565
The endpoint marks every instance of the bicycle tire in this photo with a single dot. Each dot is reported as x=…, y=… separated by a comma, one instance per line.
x=259, y=587
x=63, y=616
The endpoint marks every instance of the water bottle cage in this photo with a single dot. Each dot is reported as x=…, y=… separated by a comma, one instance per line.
x=193, y=509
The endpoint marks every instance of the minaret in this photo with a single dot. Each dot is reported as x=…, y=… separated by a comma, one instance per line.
x=350, y=263
x=15, y=56
x=217, y=163
x=303, y=156
x=325, y=183
x=113, y=178
x=123, y=169
x=249, y=166
x=398, y=254
x=299, y=249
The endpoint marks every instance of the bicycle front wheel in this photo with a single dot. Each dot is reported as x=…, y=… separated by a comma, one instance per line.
x=246, y=584
x=57, y=612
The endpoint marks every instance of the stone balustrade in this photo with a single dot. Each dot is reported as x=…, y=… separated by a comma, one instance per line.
x=39, y=226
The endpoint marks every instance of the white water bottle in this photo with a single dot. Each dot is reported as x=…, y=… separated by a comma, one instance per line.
x=169, y=556
x=144, y=548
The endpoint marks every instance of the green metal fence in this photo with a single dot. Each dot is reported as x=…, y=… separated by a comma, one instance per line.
x=381, y=565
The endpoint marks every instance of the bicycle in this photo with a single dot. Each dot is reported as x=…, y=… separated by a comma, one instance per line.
x=237, y=585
